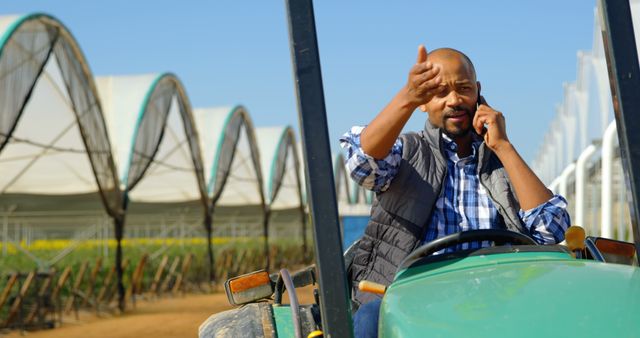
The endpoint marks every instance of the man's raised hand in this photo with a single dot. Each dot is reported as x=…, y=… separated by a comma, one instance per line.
x=495, y=134
x=380, y=135
x=424, y=81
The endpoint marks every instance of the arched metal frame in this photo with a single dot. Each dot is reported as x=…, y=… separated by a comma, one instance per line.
x=286, y=146
x=235, y=120
x=85, y=101
x=225, y=150
x=146, y=137
x=169, y=85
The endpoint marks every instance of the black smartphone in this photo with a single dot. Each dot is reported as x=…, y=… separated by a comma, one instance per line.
x=478, y=102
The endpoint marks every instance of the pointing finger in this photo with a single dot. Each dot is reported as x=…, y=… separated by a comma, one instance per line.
x=422, y=54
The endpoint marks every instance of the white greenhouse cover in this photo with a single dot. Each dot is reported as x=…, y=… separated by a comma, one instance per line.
x=147, y=125
x=281, y=184
x=231, y=157
x=122, y=103
x=64, y=132
x=46, y=153
x=6, y=21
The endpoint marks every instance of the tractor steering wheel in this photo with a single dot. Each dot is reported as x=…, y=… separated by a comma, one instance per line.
x=498, y=236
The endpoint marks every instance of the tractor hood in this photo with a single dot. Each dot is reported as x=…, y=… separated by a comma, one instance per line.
x=525, y=294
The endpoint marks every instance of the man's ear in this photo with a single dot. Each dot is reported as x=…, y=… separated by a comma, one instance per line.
x=423, y=107
x=479, y=86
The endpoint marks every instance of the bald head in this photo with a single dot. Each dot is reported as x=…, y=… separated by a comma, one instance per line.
x=450, y=54
x=454, y=106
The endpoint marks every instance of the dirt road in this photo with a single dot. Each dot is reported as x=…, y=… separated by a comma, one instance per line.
x=173, y=317
x=165, y=318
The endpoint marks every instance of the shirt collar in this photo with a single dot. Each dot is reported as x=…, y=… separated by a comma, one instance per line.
x=451, y=147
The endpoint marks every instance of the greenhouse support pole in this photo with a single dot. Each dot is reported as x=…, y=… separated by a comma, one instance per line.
x=303, y=221
x=119, y=232
x=208, y=226
x=581, y=182
x=5, y=234
x=265, y=231
x=564, y=179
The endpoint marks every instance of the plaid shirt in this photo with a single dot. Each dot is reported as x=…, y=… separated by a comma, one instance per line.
x=463, y=203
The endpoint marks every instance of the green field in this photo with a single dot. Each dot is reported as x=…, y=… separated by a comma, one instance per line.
x=233, y=256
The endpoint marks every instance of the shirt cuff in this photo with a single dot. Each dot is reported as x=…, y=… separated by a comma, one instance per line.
x=548, y=221
x=556, y=201
x=368, y=172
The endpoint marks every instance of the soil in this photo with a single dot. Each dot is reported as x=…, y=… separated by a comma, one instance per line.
x=163, y=318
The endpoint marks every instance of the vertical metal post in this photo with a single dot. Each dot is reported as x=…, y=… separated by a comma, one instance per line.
x=334, y=294
x=208, y=226
x=97, y=236
x=119, y=234
x=182, y=230
x=5, y=235
x=106, y=239
x=624, y=79
x=303, y=221
x=265, y=233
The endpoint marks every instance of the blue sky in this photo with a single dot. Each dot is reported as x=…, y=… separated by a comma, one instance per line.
x=237, y=52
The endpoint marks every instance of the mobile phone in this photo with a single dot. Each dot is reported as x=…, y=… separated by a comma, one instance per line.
x=478, y=102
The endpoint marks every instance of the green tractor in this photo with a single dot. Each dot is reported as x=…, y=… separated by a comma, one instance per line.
x=514, y=288
x=588, y=288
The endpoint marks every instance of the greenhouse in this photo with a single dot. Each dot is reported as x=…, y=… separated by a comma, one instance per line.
x=342, y=182
x=283, y=184
x=59, y=178
x=44, y=151
x=86, y=160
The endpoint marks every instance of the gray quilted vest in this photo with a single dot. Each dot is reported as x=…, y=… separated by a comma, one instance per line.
x=400, y=215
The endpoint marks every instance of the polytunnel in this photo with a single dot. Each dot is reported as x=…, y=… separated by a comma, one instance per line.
x=353, y=203
x=342, y=181
x=155, y=140
x=51, y=122
x=358, y=194
x=281, y=171
x=155, y=145
x=231, y=166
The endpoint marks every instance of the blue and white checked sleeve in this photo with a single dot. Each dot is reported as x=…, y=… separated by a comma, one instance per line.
x=371, y=174
x=548, y=221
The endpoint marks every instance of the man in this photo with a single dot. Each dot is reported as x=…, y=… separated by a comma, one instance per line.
x=460, y=173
